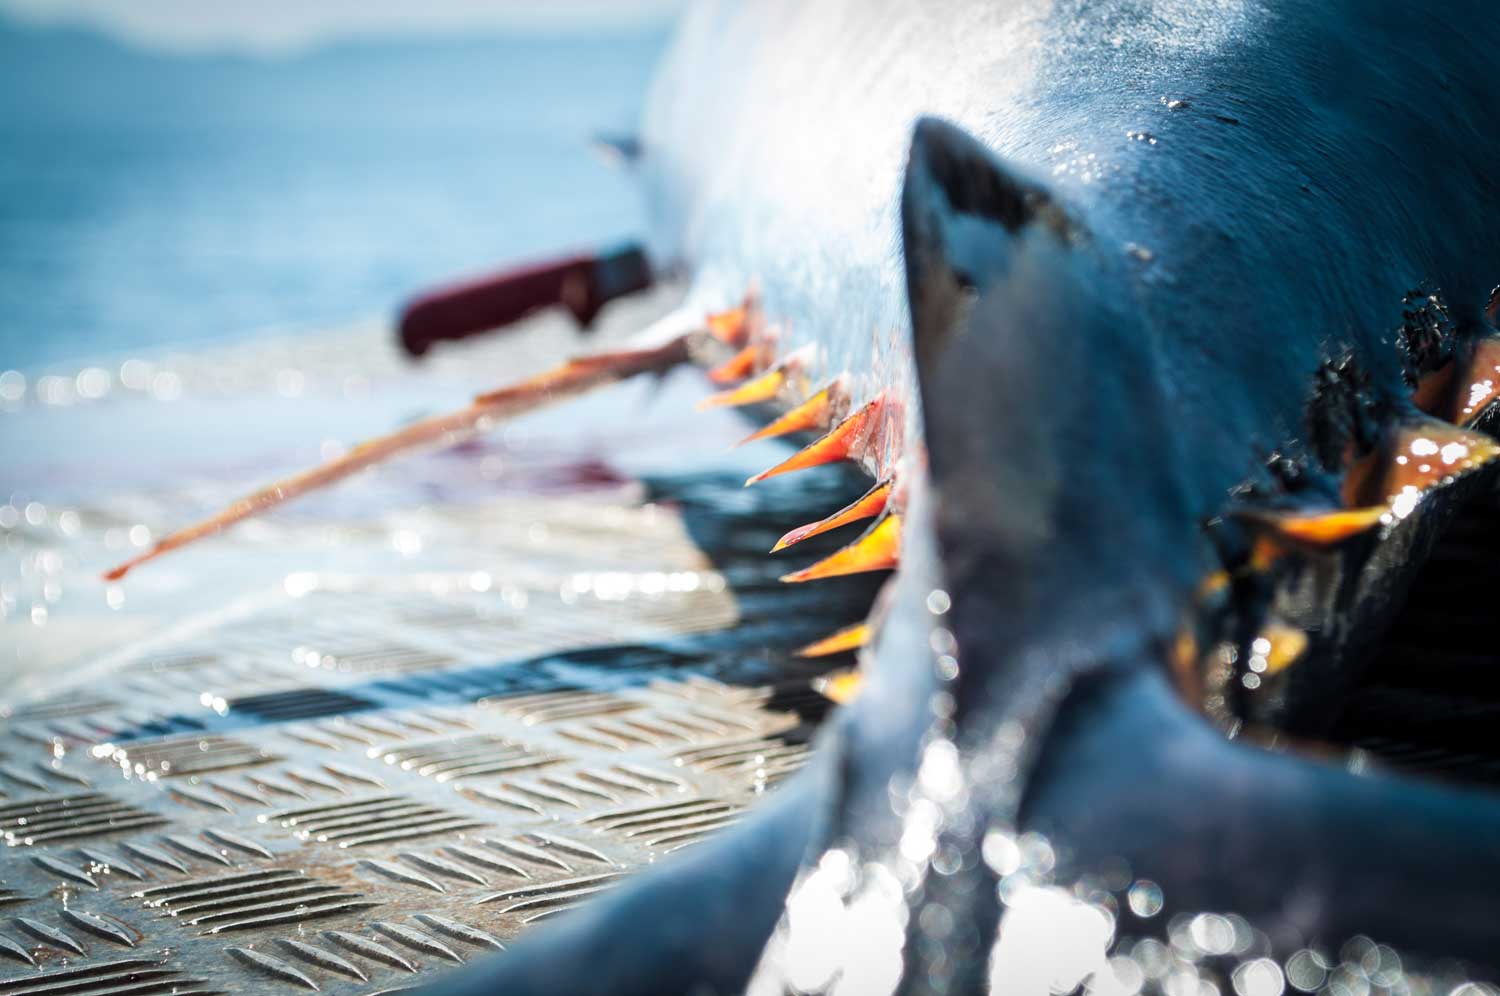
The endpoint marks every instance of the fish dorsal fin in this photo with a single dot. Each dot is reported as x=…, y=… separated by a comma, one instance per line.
x=990, y=281
x=1040, y=388
x=961, y=209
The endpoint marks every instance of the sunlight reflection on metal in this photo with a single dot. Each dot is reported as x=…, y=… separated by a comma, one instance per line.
x=1050, y=942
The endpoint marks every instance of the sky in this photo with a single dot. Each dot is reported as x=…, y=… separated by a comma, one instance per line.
x=280, y=26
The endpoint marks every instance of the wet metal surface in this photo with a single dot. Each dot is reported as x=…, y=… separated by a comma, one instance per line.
x=370, y=771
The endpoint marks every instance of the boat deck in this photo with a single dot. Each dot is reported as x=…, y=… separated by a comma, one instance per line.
x=389, y=728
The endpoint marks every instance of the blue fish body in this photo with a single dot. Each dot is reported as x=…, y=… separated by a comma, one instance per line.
x=1140, y=275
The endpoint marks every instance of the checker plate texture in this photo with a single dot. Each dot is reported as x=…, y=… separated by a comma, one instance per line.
x=367, y=777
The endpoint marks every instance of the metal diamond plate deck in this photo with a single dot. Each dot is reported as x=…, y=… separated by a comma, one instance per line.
x=373, y=769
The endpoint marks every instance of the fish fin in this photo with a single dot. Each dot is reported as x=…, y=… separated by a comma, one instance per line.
x=961, y=209
x=732, y=326
x=1195, y=795
x=742, y=364
x=617, y=149
x=1026, y=354
x=844, y=640
x=1465, y=390
x=754, y=391
x=1416, y=456
x=877, y=549
x=783, y=378
x=843, y=442
x=1478, y=383
x=842, y=687
x=1308, y=529
x=1000, y=303
x=818, y=412
x=869, y=504
x=1277, y=647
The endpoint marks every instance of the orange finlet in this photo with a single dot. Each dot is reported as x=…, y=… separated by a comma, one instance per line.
x=817, y=412
x=846, y=639
x=1380, y=489
x=740, y=365
x=879, y=549
x=1478, y=385
x=1417, y=456
x=1463, y=389
x=1184, y=659
x=1213, y=584
x=729, y=327
x=840, y=686
x=571, y=378
x=839, y=443
x=1277, y=647
x=866, y=506
x=1321, y=528
x=753, y=392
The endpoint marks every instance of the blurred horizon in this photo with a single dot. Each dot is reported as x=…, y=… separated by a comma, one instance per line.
x=152, y=198
x=273, y=29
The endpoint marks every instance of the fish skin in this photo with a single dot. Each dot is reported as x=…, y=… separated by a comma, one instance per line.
x=1296, y=844
x=1120, y=370
x=1118, y=412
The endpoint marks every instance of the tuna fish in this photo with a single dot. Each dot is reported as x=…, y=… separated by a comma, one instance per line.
x=1164, y=331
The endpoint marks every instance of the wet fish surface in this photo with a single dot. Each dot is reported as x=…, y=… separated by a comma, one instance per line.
x=1184, y=372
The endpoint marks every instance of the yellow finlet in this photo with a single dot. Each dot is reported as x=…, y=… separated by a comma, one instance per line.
x=1417, y=457
x=1213, y=584
x=840, y=686
x=839, y=443
x=1478, y=384
x=741, y=365
x=730, y=327
x=1319, y=529
x=846, y=639
x=1277, y=647
x=866, y=506
x=1184, y=657
x=1380, y=489
x=879, y=549
x=1464, y=388
x=817, y=412
x=752, y=392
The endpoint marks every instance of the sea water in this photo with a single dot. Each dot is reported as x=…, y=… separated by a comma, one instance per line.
x=152, y=199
